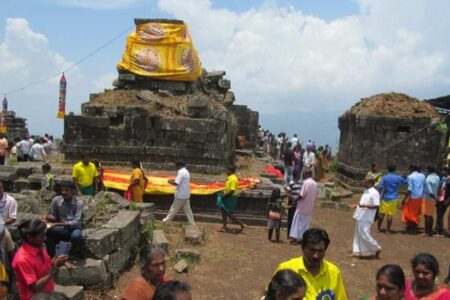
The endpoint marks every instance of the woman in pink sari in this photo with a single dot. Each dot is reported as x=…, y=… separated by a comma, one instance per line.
x=424, y=287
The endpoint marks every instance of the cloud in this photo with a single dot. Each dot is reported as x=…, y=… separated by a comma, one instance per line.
x=27, y=58
x=280, y=59
x=96, y=4
x=104, y=81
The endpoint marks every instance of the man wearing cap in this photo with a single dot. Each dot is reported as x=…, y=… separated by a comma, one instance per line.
x=182, y=194
x=65, y=216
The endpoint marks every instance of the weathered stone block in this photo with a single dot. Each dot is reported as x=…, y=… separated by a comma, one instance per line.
x=102, y=242
x=73, y=292
x=159, y=238
x=127, y=222
x=181, y=266
x=193, y=234
x=112, y=197
x=224, y=83
x=190, y=254
x=127, y=77
x=21, y=184
x=214, y=76
x=88, y=272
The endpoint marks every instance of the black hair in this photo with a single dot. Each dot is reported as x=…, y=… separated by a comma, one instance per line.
x=315, y=236
x=67, y=184
x=295, y=173
x=391, y=168
x=284, y=283
x=168, y=290
x=428, y=260
x=370, y=180
x=373, y=165
x=276, y=193
x=136, y=163
x=180, y=164
x=46, y=168
x=232, y=169
x=49, y=296
x=394, y=274
x=430, y=169
x=31, y=227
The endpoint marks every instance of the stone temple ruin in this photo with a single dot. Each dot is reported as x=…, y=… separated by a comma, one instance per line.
x=159, y=119
x=16, y=126
x=388, y=129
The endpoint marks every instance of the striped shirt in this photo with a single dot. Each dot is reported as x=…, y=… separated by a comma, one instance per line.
x=8, y=207
x=294, y=187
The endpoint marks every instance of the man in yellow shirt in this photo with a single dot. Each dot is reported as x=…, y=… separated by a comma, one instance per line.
x=85, y=175
x=323, y=278
x=227, y=202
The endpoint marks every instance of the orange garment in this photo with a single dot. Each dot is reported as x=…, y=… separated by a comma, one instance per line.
x=138, y=190
x=428, y=207
x=3, y=146
x=411, y=211
x=138, y=289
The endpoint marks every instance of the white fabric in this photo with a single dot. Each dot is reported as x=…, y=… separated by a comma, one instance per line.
x=294, y=141
x=37, y=152
x=363, y=242
x=24, y=146
x=300, y=224
x=308, y=159
x=183, y=190
x=370, y=197
x=175, y=208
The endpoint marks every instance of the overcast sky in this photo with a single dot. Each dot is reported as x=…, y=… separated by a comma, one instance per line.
x=308, y=56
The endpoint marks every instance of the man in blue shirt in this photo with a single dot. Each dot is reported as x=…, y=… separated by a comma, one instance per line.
x=429, y=202
x=388, y=187
x=412, y=203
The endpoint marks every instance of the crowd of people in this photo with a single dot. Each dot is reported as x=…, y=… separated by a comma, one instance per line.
x=54, y=240
x=27, y=148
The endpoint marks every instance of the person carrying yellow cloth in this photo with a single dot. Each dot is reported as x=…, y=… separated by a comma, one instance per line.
x=85, y=175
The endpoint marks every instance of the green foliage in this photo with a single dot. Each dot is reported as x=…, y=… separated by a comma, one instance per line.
x=133, y=206
x=147, y=231
x=333, y=166
x=442, y=128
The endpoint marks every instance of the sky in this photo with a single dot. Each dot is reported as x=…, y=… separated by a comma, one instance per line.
x=300, y=63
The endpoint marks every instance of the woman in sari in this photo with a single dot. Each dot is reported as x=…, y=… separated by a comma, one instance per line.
x=424, y=286
x=138, y=182
x=390, y=283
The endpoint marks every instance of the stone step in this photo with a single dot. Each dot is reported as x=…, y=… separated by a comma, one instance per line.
x=73, y=292
x=215, y=217
x=159, y=238
x=193, y=234
x=190, y=254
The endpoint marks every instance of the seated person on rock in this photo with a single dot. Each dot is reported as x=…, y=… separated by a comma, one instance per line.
x=8, y=213
x=152, y=262
x=65, y=219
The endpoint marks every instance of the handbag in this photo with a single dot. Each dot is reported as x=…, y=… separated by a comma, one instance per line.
x=128, y=195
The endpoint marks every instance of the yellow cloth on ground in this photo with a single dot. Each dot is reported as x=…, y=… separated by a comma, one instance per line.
x=232, y=184
x=161, y=50
x=84, y=174
x=389, y=207
x=138, y=190
x=327, y=284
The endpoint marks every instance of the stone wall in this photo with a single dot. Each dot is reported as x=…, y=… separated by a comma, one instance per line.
x=382, y=140
x=126, y=132
x=248, y=121
x=17, y=127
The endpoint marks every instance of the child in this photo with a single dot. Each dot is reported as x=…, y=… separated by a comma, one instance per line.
x=48, y=182
x=274, y=214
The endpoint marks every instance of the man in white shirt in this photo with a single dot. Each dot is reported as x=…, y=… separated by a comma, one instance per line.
x=364, y=245
x=24, y=147
x=294, y=141
x=309, y=158
x=182, y=194
x=37, y=152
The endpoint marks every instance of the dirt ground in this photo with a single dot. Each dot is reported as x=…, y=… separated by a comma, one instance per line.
x=237, y=266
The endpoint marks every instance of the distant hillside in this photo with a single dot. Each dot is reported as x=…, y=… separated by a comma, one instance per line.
x=321, y=127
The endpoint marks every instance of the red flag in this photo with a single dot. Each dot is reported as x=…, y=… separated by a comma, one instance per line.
x=62, y=97
x=3, y=123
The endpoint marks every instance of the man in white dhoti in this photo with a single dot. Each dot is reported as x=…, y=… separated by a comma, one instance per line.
x=364, y=245
x=305, y=204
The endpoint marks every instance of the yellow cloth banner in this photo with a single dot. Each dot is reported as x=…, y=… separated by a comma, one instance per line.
x=158, y=185
x=162, y=51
